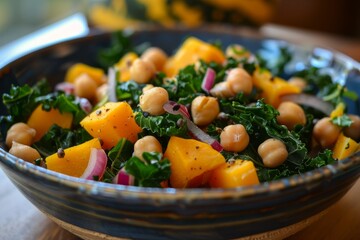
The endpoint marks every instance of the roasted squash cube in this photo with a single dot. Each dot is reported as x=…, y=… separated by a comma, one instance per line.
x=191, y=160
x=111, y=122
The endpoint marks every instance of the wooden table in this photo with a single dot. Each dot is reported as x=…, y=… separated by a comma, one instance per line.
x=20, y=220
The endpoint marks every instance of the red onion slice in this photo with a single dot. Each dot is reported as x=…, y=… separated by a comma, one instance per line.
x=123, y=178
x=176, y=109
x=97, y=164
x=209, y=80
x=112, y=85
x=309, y=100
x=195, y=131
x=66, y=87
x=85, y=104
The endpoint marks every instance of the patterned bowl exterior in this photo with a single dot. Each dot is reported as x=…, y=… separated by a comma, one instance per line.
x=147, y=213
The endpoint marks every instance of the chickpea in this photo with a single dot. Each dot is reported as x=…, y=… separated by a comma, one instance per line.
x=153, y=100
x=24, y=152
x=20, y=133
x=85, y=86
x=147, y=87
x=142, y=71
x=146, y=144
x=101, y=92
x=156, y=56
x=291, y=114
x=325, y=132
x=354, y=130
x=239, y=81
x=222, y=89
x=298, y=82
x=273, y=152
x=234, y=138
x=204, y=110
x=237, y=51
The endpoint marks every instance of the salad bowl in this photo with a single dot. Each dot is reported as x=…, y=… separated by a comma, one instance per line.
x=96, y=210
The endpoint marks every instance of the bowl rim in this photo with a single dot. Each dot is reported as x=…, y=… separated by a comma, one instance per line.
x=90, y=187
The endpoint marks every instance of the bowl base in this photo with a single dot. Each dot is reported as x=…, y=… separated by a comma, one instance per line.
x=276, y=234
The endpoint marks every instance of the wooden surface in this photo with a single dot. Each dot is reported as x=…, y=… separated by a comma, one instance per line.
x=20, y=220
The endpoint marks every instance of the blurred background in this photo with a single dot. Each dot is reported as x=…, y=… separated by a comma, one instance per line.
x=335, y=18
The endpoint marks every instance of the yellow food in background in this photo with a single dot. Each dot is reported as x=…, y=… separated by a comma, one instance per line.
x=97, y=74
x=272, y=87
x=120, y=14
x=191, y=51
x=124, y=65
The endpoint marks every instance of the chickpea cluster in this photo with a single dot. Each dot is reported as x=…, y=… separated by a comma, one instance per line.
x=19, y=138
x=237, y=81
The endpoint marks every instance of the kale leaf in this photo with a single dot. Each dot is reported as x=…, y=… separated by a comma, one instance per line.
x=117, y=157
x=58, y=137
x=149, y=172
x=163, y=125
x=21, y=100
x=129, y=91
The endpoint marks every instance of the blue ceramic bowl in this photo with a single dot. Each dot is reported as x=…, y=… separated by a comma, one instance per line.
x=96, y=210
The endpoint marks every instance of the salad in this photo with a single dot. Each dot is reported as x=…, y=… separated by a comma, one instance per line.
x=206, y=116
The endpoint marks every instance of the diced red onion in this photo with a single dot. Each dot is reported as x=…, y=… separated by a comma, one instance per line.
x=209, y=80
x=200, y=135
x=123, y=178
x=85, y=104
x=195, y=131
x=176, y=109
x=66, y=87
x=97, y=164
x=309, y=100
x=112, y=85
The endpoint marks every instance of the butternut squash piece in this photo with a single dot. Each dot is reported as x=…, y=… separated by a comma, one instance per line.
x=338, y=111
x=41, y=120
x=272, y=88
x=97, y=74
x=234, y=174
x=112, y=122
x=344, y=147
x=124, y=65
x=190, y=52
x=191, y=161
x=74, y=160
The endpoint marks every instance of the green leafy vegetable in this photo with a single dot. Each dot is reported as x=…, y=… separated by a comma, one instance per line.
x=58, y=137
x=342, y=121
x=129, y=91
x=118, y=155
x=21, y=100
x=149, y=172
x=163, y=125
x=63, y=102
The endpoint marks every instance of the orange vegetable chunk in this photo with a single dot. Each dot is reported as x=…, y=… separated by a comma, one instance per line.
x=190, y=52
x=124, y=65
x=272, y=88
x=344, y=147
x=111, y=122
x=234, y=174
x=191, y=161
x=42, y=120
x=75, y=160
x=97, y=74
